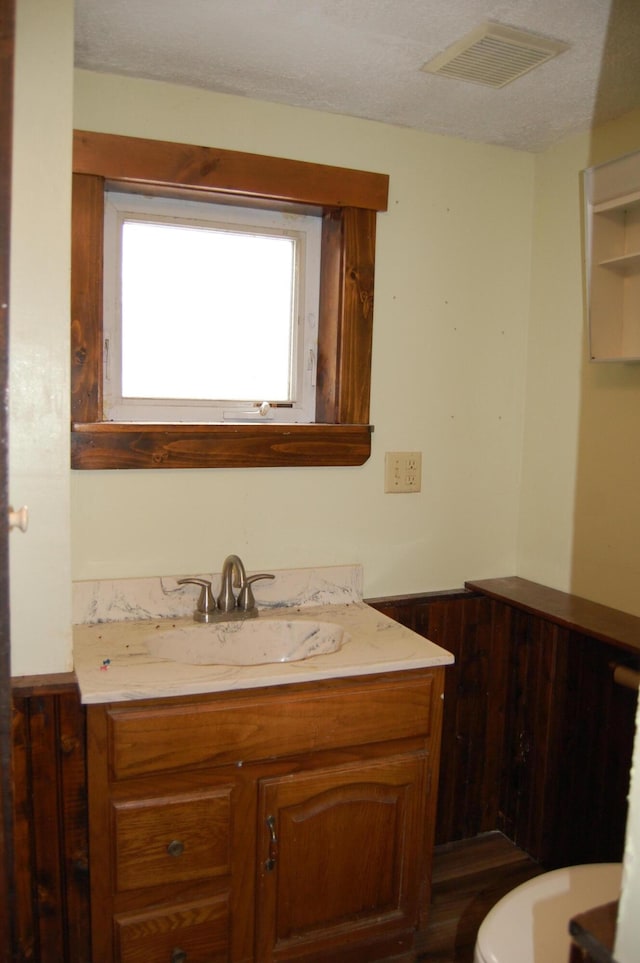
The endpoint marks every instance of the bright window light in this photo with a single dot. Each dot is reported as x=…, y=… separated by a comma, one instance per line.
x=216, y=316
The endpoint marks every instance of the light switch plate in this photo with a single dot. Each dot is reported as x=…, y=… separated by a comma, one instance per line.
x=402, y=471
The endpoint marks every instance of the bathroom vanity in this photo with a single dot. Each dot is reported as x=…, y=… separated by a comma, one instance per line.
x=285, y=823
x=262, y=813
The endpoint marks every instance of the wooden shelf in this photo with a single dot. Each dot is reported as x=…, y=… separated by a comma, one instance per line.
x=624, y=264
x=616, y=203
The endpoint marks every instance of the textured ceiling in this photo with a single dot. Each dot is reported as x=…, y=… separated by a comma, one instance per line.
x=363, y=58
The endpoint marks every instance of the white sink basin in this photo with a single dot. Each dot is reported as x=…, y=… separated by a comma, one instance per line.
x=254, y=642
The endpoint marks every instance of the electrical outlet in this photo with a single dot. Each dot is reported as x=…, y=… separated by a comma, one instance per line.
x=402, y=471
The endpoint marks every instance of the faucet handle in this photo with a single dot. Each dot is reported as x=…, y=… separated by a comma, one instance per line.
x=206, y=603
x=246, y=600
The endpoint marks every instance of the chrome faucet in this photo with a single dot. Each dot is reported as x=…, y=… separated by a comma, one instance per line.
x=229, y=606
x=234, y=576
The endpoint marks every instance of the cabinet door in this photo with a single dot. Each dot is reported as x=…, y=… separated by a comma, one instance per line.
x=340, y=857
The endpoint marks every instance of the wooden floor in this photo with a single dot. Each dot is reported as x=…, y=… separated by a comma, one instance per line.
x=469, y=877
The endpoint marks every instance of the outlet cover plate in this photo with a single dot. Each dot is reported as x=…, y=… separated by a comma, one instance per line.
x=402, y=472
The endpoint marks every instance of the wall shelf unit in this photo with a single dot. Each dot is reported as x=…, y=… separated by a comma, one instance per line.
x=612, y=199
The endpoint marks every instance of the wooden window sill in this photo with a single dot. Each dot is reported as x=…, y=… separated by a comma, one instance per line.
x=108, y=445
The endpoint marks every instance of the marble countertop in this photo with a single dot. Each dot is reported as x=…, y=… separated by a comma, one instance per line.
x=112, y=662
x=114, y=621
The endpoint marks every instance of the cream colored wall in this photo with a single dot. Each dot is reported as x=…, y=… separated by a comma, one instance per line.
x=579, y=521
x=554, y=355
x=452, y=293
x=39, y=337
x=606, y=547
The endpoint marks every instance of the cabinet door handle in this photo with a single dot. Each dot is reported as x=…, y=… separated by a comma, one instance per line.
x=270, y=863
x=178, y=956
x=175, y=848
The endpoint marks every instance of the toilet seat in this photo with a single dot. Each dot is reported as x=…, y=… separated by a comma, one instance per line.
x=531, y=923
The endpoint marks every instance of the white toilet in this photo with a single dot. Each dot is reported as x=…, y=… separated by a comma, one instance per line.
x=531, y=923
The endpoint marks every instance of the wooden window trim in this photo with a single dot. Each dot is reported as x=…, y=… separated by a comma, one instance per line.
x=348, y=200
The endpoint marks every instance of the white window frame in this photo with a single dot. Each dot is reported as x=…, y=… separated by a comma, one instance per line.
x=305, y=228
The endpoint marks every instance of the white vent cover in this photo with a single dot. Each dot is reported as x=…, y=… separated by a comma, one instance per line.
x=494, y=55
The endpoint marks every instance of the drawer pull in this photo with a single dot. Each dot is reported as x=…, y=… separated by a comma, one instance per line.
x=270, y=863
x=178, y=956
x=176, y=848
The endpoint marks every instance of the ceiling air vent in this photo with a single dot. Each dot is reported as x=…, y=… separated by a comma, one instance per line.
x=494, y=55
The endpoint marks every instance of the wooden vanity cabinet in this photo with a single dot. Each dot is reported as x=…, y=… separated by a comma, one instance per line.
x=292, y=823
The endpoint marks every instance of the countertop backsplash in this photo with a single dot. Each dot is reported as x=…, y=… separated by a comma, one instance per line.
x=133, y=599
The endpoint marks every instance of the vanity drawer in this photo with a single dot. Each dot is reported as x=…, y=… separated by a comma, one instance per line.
x=189, y=933
x=173, y=838
x=274, y=722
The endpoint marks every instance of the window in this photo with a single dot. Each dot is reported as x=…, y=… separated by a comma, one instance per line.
x=210, y=311
x=343, y=201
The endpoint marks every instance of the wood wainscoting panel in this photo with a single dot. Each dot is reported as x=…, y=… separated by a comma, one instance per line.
x=537, y=735
x=51, y=833
x=569, y=726
x=471, y=627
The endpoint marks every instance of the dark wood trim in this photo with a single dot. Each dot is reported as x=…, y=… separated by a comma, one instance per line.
x=345, y=331
x=51, y=830
x=412, y=599
x=341, y=434
x=7, y=879
x=570, y=611
x=87, y=215
x=356, y=317
x=56, y=683
x=134, y=160
x=112, y=445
